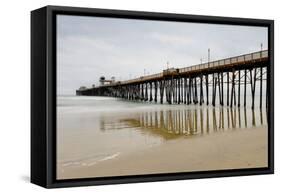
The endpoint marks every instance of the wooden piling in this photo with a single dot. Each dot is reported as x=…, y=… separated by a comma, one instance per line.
x=207, y=88
x=142, y=91
x=167, y=90
x=245, y=87
x=161, y=91
x=213, y=89
x=179, y=90
x=267, y=92
x=175, y=91
x=189, y=91
x=261, y=87
x=201, y=89
x=233, y=88
x=239, y=77
x=222, y=88
x=227, y=74
x=219, y=86
x=167, y=85
x=185, y=90
x=214, y=92
x=170, y=91
x=182, y=89
x=146, y=91
x=155, y=91
x=253, y=86
x=150, y=91
x=195, y=88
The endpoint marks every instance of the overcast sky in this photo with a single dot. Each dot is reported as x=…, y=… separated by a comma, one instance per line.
x=90, y=47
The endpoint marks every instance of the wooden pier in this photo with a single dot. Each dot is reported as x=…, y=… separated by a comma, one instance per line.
x=189, y=85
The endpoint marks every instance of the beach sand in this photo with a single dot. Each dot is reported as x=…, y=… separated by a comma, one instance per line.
x=241, y=148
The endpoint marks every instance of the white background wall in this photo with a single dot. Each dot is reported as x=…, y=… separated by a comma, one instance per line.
x=15, y=94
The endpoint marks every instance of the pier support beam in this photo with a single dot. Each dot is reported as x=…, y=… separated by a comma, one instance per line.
x=150, y=84
x=172, y=90
x=195, y=91
x=142, y=91
x=189, y=91
x=219, y=86
x=214, y=93
x=222, y=88
x=201, y=90
x=207, y=88
x=253, y=86
x=227, y=74
x=239, y=77
x=155, y=91
x=261, y=87
x=179, y=90
x=182, y=90
x=185, y=90
x=267, y=92
x=146, y=92
x=166, y=90
x=161, y=91
x=175, y=91
x=245, y=87
x=233, y=88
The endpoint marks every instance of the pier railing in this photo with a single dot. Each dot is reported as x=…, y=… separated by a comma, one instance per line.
x=222, y=62
x=227, y=61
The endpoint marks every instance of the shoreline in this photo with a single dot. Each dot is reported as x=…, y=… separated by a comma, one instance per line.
x=241, y=148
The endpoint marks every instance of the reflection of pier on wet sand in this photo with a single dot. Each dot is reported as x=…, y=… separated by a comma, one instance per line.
x=224, y=138
x=171, y=124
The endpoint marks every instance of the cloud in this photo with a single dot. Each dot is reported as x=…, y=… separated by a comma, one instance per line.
x=171, y=39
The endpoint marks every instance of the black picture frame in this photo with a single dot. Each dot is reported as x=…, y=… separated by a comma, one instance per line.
x=43, y=95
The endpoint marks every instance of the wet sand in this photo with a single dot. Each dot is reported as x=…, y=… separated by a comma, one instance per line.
x=241, y=148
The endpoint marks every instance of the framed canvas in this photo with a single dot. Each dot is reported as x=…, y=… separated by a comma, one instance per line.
x=128, y=96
